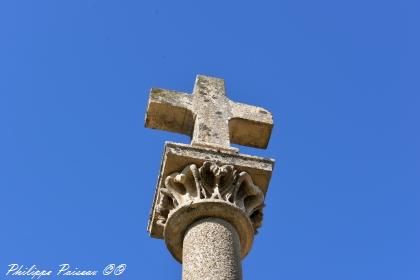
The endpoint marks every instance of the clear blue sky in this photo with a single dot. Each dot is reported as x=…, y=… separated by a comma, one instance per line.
x=78, y=169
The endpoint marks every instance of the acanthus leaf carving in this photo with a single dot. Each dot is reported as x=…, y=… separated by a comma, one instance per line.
x=211, y=182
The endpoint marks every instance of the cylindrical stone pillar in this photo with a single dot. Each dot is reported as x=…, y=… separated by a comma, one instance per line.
x=211, y=251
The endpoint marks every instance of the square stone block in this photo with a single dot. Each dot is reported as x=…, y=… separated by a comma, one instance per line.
x=177, y=156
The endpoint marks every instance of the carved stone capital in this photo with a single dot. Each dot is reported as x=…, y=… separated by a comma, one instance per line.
x=197, y=183
x=209, y=190
x=211, y=182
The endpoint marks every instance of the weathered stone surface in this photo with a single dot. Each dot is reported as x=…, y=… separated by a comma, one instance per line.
x=209, y=198
x=208, y=116
x=248, y=180
x=211, y=251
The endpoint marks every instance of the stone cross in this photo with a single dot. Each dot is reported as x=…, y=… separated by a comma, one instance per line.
x=208, y=116
x=209, y=198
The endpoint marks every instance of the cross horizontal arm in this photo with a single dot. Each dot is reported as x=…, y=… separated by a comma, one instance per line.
x=170, y=110
x=250, y=125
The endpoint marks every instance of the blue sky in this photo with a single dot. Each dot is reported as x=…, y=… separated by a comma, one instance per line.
x=78, y=169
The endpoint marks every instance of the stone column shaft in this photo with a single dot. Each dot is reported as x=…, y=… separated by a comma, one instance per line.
x=211, y=251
